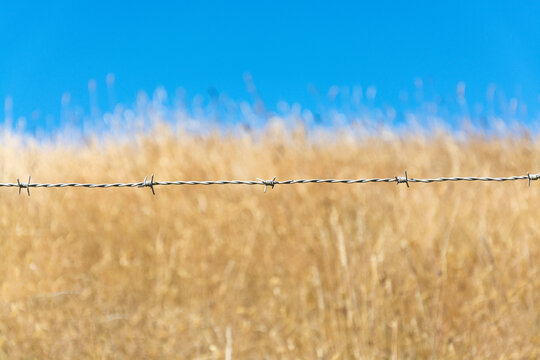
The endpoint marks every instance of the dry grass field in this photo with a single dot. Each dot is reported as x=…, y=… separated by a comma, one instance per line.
x=316, y=271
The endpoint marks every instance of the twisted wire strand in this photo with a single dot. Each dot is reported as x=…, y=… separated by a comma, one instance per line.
x=266, y=183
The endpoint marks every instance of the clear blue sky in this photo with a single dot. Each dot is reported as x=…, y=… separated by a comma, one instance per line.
x=48, y=48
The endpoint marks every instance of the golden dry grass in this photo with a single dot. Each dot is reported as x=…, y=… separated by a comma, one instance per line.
x=306, y=271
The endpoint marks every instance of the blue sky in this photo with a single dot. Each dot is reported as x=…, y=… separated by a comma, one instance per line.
x=50, y=48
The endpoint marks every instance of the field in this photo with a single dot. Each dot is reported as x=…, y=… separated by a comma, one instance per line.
x=316, y=271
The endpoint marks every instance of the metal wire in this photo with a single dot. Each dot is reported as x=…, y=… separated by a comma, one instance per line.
x=268, y=183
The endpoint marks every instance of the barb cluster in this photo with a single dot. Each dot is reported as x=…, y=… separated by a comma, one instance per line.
x=268, y=183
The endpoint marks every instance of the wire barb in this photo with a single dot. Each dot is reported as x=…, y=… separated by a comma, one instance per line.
x=24, y=186
x=268, y=182
x=532, y=177
x=150, y=184
x=401, y=180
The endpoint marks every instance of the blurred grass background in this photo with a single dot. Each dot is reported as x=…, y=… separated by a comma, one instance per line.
x=314, y=271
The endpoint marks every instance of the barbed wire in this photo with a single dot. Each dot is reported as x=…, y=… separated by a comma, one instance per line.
x=267, y=183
